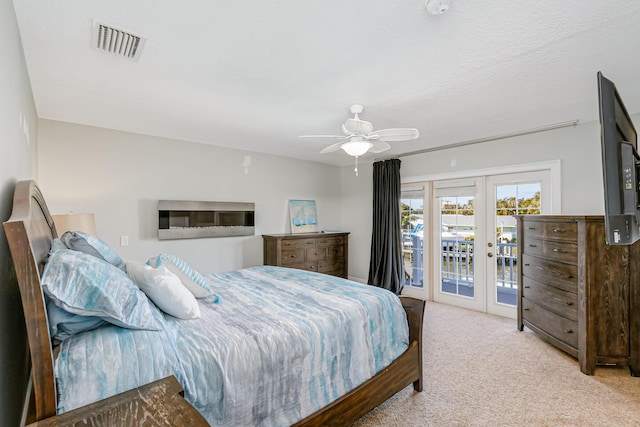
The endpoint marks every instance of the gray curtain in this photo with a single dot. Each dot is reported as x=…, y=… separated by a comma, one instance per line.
x=386, y=269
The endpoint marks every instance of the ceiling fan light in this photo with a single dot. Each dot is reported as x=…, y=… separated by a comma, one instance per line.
x=437, y=7
x=356, y=148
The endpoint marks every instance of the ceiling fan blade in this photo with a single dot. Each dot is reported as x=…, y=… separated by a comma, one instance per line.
x=396, y=134
x=378, y=146
x=322, y=136
x=332, y=148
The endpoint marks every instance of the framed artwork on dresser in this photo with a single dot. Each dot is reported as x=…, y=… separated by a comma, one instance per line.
x=303, y=216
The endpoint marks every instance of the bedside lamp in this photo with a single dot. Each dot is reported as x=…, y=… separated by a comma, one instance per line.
x=74, y=222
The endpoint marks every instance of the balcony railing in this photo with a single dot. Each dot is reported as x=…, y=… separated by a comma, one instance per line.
x=457, y=265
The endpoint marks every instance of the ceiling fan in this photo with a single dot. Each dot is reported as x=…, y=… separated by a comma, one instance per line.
x=360, y=138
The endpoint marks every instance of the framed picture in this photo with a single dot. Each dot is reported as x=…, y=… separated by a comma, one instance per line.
x=304, y=218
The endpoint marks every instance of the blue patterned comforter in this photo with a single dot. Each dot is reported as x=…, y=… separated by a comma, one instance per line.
x=281, y=344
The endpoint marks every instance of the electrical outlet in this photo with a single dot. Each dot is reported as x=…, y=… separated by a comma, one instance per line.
x=124, y=240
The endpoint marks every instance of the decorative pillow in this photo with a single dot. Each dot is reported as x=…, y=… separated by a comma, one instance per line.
x=164, y=289
x=83, y=284
x=63, y=324
x=56, y=244
x=92, y=245
x=190, y=278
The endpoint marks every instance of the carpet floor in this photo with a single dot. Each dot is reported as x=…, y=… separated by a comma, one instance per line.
x=479, y=370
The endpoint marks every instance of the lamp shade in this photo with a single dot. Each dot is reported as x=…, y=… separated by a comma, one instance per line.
x=356, y=148
x=74, y=222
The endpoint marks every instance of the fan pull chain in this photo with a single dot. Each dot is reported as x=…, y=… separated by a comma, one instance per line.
x=356, y=169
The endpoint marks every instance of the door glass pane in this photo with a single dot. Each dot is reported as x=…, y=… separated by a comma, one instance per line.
x=512, y=199
x=457, y=231
x=412, y=215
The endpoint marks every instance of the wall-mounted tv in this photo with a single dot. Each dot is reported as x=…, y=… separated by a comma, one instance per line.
x=620, y=166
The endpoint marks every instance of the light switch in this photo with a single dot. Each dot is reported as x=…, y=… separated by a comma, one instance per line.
x=124, y=240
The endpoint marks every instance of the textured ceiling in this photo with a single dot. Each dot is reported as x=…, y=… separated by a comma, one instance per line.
x=254, y=75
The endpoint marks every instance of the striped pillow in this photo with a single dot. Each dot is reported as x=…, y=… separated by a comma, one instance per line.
x=190, y=278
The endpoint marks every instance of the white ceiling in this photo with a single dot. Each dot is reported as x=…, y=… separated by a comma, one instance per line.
x=254, y=75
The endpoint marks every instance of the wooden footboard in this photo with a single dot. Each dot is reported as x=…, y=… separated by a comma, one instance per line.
x=406, y=369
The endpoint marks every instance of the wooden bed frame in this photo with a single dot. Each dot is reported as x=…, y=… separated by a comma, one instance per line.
x=29, y=232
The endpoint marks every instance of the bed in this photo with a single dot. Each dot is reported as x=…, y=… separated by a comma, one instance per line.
x=319, y=381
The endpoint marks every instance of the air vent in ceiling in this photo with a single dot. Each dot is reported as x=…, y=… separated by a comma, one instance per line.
x=113, y=40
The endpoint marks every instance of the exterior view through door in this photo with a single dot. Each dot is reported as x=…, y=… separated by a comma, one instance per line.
x=471, y=255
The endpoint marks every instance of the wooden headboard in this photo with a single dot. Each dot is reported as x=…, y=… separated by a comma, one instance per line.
x=29, y=232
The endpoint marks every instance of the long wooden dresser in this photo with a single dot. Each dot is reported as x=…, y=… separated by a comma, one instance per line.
x=321, y=252
x=578, y=293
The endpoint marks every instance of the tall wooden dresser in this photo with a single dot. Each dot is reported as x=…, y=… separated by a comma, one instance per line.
x=321, y=252
x=578, y=293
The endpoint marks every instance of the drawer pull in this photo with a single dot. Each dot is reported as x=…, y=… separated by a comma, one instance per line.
x=568, y=331
x=568, y=276
x=526, y=309
x=317, y=253
x=527, y=286
x=568, y=302
x=560, y=251
x=293, y=256
x=559, y=230
x=532, y=246
x=311, y=267
x=527, y=264
x=531, y=228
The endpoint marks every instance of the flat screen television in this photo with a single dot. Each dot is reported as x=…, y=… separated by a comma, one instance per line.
x=620, y=165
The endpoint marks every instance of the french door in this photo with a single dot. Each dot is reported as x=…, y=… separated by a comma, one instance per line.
x=508, y=195
x=473, y=255
x=458, y=210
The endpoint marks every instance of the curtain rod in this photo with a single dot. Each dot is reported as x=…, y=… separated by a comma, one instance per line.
x=487, y=139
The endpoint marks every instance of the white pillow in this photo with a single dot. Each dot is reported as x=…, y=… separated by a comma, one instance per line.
x=164, y=289
x=190, y=278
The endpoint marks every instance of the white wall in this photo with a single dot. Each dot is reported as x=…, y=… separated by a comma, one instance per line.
x=120, y=177
x=18, y=142
x=131, y=172
x=578, y=149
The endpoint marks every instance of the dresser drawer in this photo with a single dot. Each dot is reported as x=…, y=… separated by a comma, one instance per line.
x=293, y=256
x=330, y=267
x=561, y=302
x=316, y=254
x=298, y=243
x=557, y=250
x=303, y=265
x=555, y=325
x=330, y=241
x=335, y=252
x=553, y=273
x=551, y=230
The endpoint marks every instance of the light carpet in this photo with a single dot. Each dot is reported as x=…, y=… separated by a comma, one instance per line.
x=479, y=370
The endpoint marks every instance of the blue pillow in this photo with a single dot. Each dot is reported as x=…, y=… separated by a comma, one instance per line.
x=85, y=285
x=57, y=244
x=190, y=278
x=92, y=245
x=63, y=324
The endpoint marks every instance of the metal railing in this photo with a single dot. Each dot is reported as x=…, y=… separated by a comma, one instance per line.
x=457, y=262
